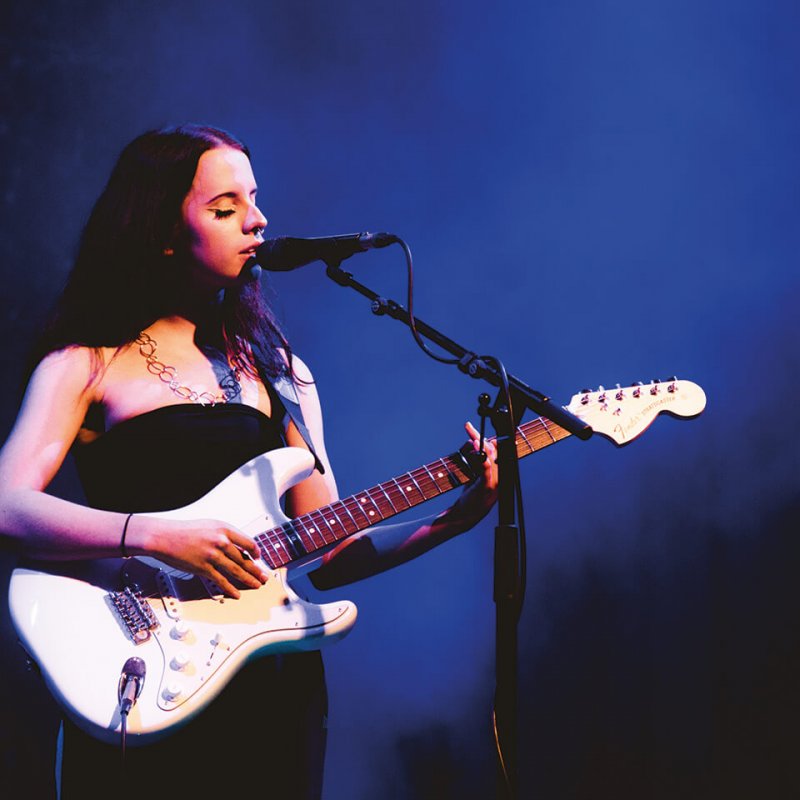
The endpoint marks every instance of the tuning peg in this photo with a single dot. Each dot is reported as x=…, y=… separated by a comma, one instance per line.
x=620, y=394
x=654, y=384
x=637, y=388
x=673, y=386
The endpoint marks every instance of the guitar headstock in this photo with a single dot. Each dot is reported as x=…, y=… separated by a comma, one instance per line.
x=624, y=412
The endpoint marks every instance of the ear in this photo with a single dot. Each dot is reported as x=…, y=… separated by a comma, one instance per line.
x=174, y=239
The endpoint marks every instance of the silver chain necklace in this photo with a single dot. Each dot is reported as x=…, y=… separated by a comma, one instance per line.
x=230, y=386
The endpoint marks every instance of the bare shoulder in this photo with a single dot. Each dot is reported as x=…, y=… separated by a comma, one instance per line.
x=301, y=370
x=74, y=370
x=59, y=393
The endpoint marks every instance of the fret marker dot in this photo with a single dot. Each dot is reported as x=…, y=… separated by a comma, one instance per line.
x=372, y=513
x=331, y=522
x=408, y=488
x=311, y=530
x=440, y=474
x=363, y=500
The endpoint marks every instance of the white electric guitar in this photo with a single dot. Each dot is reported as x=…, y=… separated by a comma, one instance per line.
x=81, y=621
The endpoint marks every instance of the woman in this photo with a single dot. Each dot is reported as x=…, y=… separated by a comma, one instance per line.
x=164, y=371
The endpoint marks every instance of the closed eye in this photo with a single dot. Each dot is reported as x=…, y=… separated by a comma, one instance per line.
x=221, y=213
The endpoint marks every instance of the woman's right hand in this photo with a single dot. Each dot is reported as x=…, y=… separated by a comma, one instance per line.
x=207, y=548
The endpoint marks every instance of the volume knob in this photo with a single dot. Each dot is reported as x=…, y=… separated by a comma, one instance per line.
x=180, y=630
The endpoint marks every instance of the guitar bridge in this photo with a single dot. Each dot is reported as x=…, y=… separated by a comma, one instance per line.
x=134, y=612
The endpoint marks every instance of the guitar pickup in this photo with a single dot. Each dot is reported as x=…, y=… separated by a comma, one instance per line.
x=169, y=595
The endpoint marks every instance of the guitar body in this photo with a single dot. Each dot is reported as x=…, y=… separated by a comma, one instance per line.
x=81, y=621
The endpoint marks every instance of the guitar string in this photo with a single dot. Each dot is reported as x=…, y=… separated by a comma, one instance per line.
x=427, y=489
x=422, y=483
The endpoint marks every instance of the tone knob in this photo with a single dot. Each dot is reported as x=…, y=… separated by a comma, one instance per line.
x=180, y=661
x=172, y=691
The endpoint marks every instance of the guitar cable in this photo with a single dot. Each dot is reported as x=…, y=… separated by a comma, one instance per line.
x=123, y=737
x=131, y=681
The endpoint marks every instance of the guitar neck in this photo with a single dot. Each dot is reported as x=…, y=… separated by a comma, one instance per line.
x=317, y=530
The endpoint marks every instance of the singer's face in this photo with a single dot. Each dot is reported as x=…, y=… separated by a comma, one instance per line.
x=222, y=224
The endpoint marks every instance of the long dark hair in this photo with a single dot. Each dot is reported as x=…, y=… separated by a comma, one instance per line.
x=122, y=280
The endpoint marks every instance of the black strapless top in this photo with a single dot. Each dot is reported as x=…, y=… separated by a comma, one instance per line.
x=171, y=456
x=165, y=459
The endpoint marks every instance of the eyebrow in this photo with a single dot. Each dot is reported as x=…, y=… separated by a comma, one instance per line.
x=227, y=195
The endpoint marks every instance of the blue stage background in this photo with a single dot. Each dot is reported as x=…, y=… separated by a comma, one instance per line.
x=594, y=192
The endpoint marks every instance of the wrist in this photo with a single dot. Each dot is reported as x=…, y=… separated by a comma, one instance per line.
x=122, y=541
x=138, y=536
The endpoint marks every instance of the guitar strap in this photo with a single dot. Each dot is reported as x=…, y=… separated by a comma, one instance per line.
x=287, y=391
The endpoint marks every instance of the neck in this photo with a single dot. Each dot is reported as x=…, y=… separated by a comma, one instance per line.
x=200, y=324
x=199, y=306
x=196, y=312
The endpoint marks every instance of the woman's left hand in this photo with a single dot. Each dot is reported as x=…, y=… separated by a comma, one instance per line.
x=481, y=494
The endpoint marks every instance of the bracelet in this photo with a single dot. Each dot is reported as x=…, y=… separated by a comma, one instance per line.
x=124, y=534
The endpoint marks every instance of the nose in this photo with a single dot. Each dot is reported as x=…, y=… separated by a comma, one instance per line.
x=254, y=220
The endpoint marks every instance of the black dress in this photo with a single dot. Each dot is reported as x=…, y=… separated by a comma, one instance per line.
x=244, y=743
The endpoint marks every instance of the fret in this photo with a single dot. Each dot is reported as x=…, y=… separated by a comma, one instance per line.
x=402, y=493
x=384, y=509
x=414, y=481
x=370, y=514
x=300, y=538
x=367, y=521
x=521, y=431
x=547, y=428
x=385, y=494
x=340, y=530
x=312, y=529
x=408, y=487
x=266, y=549
x=352, y=518
x=395, y=493
x=426, y=482
x=340, y=526
x=320, y=516
x=281, y=554
x=452, y=478
x=433, y=479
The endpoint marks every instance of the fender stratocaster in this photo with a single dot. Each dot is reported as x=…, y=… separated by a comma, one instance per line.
x=81, y=621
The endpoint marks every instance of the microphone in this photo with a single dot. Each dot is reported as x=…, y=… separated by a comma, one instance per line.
x=286, y=253
x=130, y=683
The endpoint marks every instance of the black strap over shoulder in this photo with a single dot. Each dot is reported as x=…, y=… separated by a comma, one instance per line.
x=285, y=387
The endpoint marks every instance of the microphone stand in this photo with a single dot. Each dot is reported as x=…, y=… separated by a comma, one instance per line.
x=507, y=595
